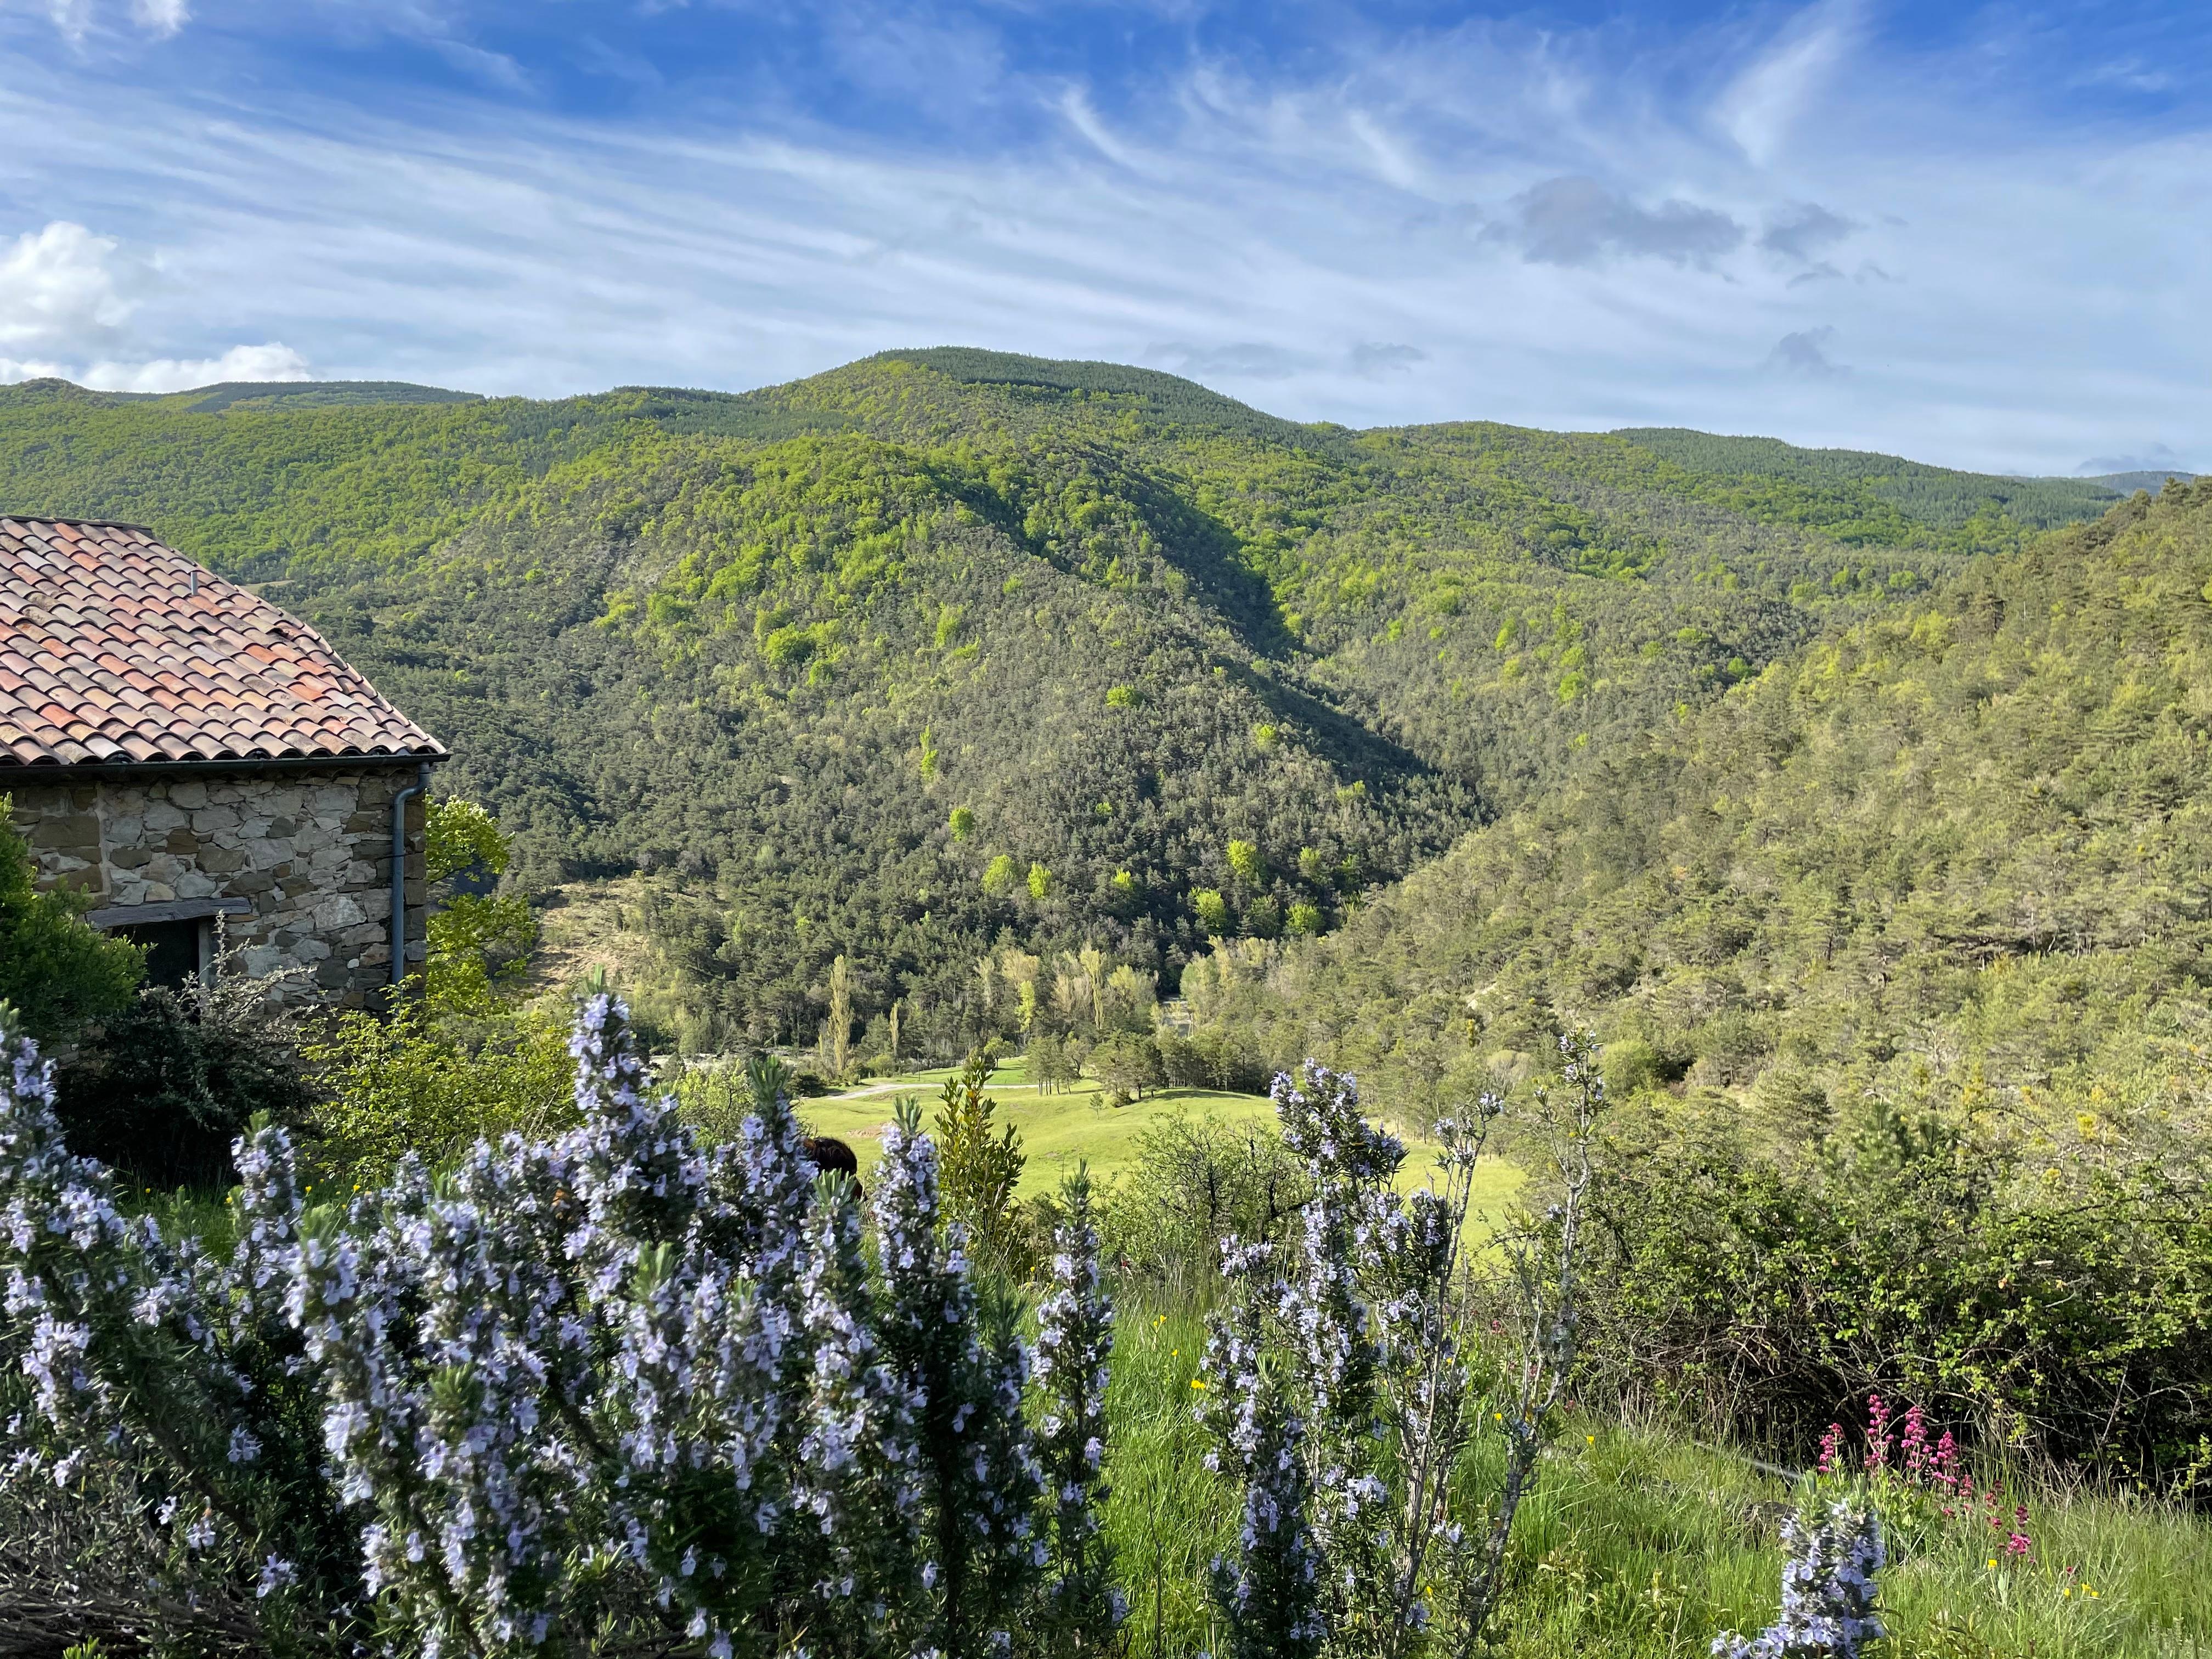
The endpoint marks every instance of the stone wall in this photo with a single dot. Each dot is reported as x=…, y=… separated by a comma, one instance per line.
x=311, y=852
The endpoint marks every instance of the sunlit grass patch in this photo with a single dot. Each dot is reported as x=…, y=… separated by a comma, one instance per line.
x=1640, y=1543
x=1076, y=1125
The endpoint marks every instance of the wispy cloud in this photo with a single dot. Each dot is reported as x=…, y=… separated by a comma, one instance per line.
x=1245, y=360
x=493, y=69
x=1767, y=101
x=77, y=20
x=1559, y=227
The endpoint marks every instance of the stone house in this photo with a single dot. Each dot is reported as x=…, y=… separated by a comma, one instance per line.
x=180, y=749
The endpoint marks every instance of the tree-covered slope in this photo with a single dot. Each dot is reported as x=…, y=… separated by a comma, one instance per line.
x=1972, y=835
x=946, y=645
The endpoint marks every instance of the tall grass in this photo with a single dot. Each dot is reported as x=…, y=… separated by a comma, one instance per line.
x=1640, y=1543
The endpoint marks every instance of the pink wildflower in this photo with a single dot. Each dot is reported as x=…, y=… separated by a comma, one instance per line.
x=1947, y=1464
x=1915, y=1446
x=1878, y=1435
x=1831, y=1450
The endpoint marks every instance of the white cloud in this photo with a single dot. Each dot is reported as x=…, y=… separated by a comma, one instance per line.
x=160, y=17
x=60, y=285
x=272, y=361
x=1768, y=99
x=77, y=20
x=13, y=369
x=72, y=295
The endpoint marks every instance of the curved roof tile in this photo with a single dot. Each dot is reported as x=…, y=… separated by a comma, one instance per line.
x=106, y=654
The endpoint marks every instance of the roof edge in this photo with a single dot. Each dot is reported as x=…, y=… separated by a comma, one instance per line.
x=89, y=523
x=66, y=772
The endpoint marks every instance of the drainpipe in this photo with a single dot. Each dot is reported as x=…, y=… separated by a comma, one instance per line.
x=399, y=871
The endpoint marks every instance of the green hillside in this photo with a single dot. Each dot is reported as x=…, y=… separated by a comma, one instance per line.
x=1967, y=839
x=948, y=648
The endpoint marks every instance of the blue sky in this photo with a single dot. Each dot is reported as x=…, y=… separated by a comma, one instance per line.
x=1975, y=234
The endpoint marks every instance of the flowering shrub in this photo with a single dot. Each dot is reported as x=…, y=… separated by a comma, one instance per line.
x=1075, y=1338
x=611, y=1388
x=1827, y=1589
x=1344, y=1387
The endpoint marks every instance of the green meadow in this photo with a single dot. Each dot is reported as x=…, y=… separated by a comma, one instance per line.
x=1076, y=1125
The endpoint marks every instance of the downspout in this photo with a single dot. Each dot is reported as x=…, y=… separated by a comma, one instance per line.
x=400, y=872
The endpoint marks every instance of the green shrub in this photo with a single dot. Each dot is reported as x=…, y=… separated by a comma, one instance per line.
x=1197, y=1182
x=1633, y=1066
x=2051, y=1278
x=56, y=969
x=431, y=1078
x=981, y=1164
x=161, y=1089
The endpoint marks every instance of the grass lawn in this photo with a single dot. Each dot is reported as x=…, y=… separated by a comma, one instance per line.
x=1059, y=1130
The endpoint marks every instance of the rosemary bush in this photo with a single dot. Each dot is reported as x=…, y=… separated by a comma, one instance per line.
x=616, y=1392
x=1346, y=1384
x=607, y=1392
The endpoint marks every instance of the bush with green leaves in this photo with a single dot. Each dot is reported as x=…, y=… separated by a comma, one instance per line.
x=427, y=1079
x=982, y=1164
x=57, y=971
x=1197, y=1182
x=2046, y=1279
x=456, y=1055
x=163, y=1087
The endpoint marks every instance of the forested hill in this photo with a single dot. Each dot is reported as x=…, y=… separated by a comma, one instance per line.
x=1966, y=840
x=947, y=645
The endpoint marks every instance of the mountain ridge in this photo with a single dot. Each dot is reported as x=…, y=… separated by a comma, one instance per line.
x=763, y=647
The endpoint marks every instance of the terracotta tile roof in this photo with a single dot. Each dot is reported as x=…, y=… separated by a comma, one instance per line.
x=108, y=655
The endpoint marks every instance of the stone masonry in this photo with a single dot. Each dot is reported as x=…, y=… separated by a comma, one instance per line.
x=309, y=850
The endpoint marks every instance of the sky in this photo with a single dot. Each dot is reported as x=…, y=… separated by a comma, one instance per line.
x=1976, y=235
